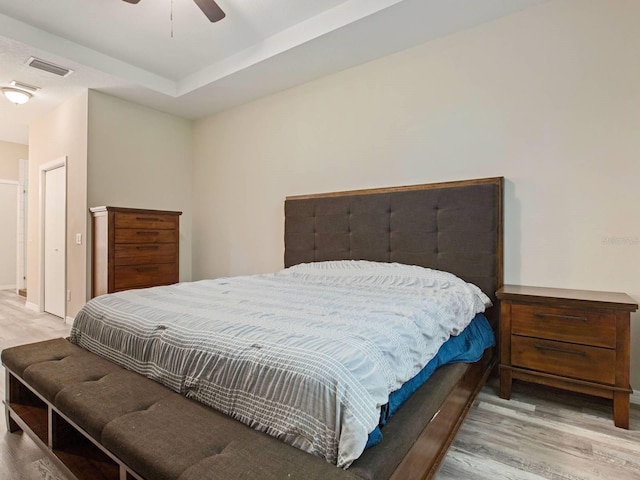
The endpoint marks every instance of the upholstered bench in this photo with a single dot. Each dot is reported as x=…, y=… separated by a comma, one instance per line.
x=147, y=430
x=100, y=421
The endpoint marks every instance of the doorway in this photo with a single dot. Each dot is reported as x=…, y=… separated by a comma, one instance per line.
x=9, y=236
x=53, y=225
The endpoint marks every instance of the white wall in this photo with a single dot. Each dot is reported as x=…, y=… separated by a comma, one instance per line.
x=140, y=158
x=547, y=97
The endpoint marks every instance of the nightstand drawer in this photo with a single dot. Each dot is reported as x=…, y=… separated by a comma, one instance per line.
x=564, y=359
x=569, y=325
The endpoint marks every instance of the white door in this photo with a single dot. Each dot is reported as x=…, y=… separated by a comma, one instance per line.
x=8, y=234
x=54, y=241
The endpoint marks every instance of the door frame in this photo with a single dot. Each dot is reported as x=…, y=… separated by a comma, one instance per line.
x=23, y=222
x=44, y=168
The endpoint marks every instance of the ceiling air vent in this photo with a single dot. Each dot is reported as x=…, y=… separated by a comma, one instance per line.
x=49, y=67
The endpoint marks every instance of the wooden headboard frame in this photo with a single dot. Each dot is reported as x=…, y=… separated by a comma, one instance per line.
x=451, y=226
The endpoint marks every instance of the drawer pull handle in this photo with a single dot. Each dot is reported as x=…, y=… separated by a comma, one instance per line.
x=149, y=219
x=564, y=317
x=148, y=233
x=146, y=269
x=581, y=353
x=147, y=247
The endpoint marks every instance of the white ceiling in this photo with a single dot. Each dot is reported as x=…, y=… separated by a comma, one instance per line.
x=167, y=55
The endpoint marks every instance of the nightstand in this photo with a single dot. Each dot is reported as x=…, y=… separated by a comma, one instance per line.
x=571, y=339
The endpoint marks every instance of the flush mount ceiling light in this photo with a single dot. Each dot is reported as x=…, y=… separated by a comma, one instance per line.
x=24, y=86
x=15, y=95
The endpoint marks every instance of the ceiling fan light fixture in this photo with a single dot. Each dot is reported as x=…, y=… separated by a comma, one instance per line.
x=15, y=95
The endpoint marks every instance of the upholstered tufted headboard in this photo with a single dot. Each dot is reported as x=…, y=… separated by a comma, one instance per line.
x=452, y=226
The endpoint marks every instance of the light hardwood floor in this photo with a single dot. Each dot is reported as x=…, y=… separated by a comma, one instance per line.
x=543, y=433
x=538, y=434
x=19, y=325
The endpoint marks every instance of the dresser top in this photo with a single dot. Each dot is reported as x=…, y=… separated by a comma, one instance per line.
x=133, y=210
x=614, y=300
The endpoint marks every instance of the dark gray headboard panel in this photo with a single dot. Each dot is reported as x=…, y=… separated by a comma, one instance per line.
x=453, y=226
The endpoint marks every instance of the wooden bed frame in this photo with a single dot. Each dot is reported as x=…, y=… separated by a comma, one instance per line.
x=462, y=233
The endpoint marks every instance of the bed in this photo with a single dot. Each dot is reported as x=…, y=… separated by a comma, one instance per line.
x=453, y=227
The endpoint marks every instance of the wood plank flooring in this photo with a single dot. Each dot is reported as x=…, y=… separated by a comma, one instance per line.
x=539, y=434
x=543, y=433
x=17, y=326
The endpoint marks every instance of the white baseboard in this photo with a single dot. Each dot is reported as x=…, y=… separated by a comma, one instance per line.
x=9, y=287
x=635, y=398
x=68, y=320
x=34, y=307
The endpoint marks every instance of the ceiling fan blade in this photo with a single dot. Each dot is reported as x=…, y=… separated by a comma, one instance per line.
x=131, y=1
x=211, y=9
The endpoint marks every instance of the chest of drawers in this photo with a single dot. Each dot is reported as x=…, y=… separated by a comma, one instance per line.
x=133, y=248
x=572, y=339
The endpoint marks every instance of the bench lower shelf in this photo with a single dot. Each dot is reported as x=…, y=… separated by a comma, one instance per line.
x=72, y=450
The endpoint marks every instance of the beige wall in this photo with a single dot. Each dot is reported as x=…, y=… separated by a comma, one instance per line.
x=118, y=153
x=547, y=97
x=10, y=154
x=139, y=157
x=62, y=132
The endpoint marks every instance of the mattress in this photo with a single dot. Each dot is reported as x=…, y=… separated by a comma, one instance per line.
x=309, y=354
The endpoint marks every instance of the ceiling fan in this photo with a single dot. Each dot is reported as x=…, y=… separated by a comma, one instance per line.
x=209, y=7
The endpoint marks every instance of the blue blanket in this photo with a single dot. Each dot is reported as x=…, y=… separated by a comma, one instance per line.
x=466, y=347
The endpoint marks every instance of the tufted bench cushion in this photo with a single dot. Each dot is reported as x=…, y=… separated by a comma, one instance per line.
x=17, y=359
x=50, y=377
x=206, y=445
x=156, y=432
x=94, y=404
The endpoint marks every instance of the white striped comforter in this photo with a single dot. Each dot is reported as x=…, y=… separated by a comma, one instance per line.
x=308, y=354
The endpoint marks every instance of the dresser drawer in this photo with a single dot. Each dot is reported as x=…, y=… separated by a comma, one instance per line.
x=145, y=275
x=134, y=235
x=128, y=254
x=564, y=359
x=575, y=326
x=145, y=220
